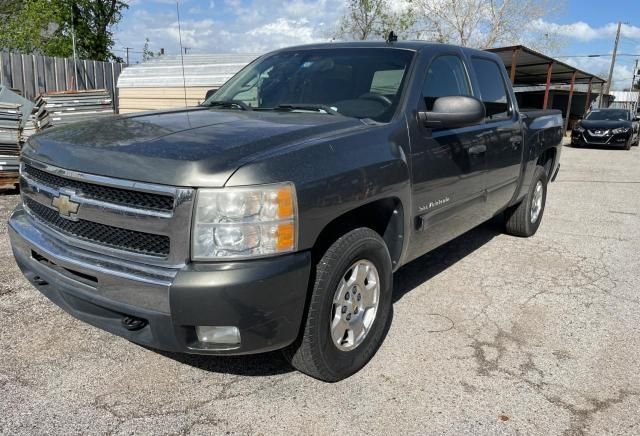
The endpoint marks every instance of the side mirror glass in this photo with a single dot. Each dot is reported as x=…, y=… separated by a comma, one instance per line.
x=454, y=111
x=209, y=93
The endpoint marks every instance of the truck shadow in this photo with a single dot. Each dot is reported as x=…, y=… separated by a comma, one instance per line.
x=406, y=279
x=433, y=263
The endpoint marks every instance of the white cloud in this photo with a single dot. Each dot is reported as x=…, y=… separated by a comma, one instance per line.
x=582, y=31
x=256, y=27
x=622, y=73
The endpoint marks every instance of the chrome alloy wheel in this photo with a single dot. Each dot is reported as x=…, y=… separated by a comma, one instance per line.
x=355, y=304
x=536, y=203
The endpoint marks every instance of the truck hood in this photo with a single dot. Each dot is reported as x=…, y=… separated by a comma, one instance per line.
x=604, y=124
x=194, y=147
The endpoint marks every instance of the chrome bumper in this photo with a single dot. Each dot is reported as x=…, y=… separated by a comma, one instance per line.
x=263, y=298
x=83, y=273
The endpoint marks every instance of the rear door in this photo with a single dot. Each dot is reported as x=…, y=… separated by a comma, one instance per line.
x=448, y=165
x=503, y=136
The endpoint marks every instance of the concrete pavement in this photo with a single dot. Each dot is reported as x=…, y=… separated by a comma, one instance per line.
x=491, y=334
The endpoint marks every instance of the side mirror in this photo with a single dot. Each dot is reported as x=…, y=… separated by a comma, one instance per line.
x=453, y=111
x=209, y=93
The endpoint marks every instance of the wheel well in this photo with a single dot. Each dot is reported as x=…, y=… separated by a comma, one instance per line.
x=386, y=217
x=546, y=160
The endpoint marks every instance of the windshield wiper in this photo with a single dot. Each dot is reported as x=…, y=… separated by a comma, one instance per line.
x=308, y=107
x=229, y=104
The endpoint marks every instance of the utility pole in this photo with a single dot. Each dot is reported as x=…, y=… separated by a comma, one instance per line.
x=613, y=62
x=635, y=73
x=186, y=49
x=127, y=50
x=75, y=56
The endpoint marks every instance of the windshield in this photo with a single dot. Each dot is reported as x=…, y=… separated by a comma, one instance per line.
x=608, y=115
x=362, y=83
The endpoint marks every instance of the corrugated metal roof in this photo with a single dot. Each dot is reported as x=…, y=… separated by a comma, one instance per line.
x=531, y=67
x=578, y=87
x=199, y=70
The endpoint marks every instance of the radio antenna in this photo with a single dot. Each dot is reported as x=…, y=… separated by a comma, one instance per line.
x=184, y=80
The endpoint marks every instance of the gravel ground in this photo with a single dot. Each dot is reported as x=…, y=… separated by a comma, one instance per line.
x=491, y=335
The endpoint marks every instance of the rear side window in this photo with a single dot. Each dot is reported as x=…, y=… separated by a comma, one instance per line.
x=492, y=88
x=446, y=76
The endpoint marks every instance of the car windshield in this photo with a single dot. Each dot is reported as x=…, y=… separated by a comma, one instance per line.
x=361, y=83
x=608, y=115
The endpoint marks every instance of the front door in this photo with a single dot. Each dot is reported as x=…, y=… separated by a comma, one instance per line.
x=448, y=165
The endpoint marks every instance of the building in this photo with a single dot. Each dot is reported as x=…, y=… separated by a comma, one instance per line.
x=626, y=100
x=160, y=84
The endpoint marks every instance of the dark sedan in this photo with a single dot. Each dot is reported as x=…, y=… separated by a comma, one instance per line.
x=606, y=127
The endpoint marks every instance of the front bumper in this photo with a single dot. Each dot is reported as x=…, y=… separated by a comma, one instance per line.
x=611, y=140
x=264, y=298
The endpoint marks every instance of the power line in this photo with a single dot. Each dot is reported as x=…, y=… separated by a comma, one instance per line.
x=607, y=55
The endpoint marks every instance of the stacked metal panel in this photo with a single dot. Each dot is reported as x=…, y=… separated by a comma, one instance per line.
x=59, y=108
x=10, y=127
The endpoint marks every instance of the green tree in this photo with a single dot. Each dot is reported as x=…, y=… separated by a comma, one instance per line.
x=33, y=27
x=8, y=7
x=46, y=26
x=147, y=53
x=92, y=21
x=367, y=19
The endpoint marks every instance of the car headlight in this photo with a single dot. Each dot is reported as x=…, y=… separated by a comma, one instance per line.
x=621, y=130
x=244, y=222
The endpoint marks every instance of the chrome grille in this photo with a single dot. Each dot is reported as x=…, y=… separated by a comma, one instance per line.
x=131, y=220
x=109, y=194
x=137, y=242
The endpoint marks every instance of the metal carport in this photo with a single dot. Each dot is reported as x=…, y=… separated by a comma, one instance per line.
x=528, y=67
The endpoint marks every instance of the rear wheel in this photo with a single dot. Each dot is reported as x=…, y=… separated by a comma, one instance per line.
x=349, y=308
x=524, y=218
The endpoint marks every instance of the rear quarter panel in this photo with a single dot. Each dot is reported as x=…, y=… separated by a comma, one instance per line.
x=542, y=130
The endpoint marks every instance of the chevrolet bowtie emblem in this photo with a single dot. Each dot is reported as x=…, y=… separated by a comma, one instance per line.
x=65, y=206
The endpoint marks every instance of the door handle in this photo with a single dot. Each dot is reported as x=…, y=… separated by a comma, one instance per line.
x=477, y=149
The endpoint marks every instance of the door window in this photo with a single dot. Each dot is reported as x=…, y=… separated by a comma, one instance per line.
x=492, y=88
x=446, y=77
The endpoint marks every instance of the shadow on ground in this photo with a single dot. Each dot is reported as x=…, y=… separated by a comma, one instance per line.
x=405, y=279
x=433, y=263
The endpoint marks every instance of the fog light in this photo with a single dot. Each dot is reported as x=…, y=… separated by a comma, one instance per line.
x=218, y=335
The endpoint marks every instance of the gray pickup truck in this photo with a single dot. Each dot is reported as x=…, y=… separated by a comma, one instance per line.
x=274, y=215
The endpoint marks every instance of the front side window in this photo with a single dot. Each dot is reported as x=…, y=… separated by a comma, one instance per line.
x=492, y=88
x=361, y=83
x=446, y=77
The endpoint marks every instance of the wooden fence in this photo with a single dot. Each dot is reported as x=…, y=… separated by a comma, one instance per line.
x=35, y=74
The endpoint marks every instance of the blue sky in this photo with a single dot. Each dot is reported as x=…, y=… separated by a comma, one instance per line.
x=585, y=27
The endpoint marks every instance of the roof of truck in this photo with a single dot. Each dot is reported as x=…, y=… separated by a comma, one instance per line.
x=407, y=45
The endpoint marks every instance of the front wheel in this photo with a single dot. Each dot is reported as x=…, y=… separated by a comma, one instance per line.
x=524, y=218
x=349, y=308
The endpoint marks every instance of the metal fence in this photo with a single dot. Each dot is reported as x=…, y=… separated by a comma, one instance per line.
x=35, y=74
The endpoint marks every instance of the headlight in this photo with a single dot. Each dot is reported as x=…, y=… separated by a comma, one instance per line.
x=621, y=130
x=244, y=222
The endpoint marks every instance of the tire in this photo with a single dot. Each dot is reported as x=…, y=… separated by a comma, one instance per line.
x=627, y=146
x=316, y=353
x=519, y=219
